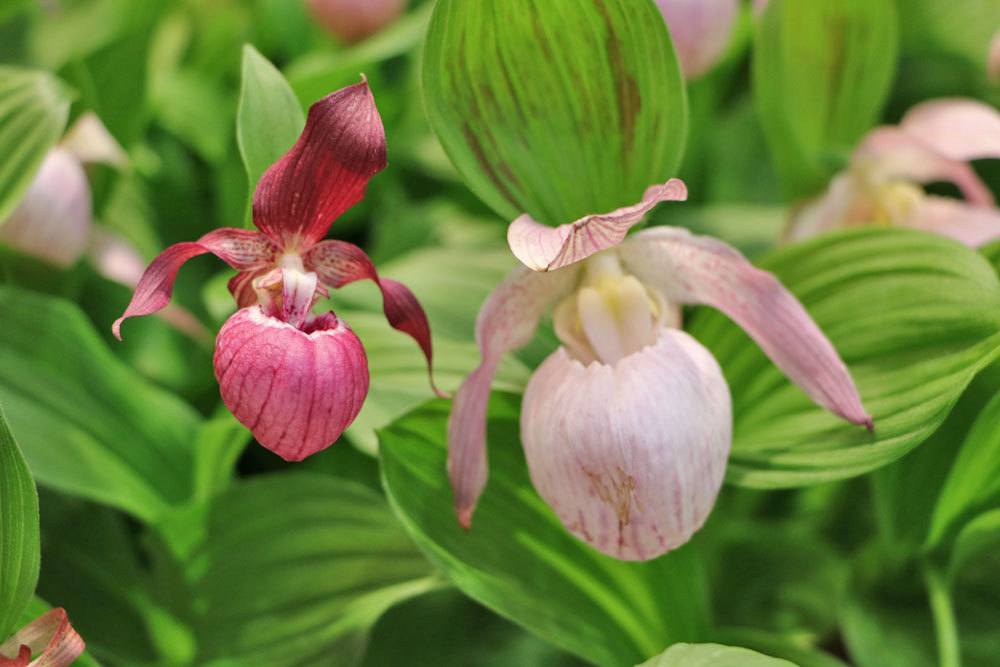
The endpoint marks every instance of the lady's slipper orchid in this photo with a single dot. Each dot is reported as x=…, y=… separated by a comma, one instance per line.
x=294, y=378
x=700, y=30
x=50, y=637
x=353, y=20
x=934, y=142
x=627, y=426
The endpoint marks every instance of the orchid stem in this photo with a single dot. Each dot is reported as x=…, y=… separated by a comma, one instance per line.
x=945, y=625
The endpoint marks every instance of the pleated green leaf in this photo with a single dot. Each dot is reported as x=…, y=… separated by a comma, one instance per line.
x=713, y=655
x=602, y=120
x=519, y=560
x=88, y=424
x=19, y=533
x=915, y=317
x=33, y=112
x=821, y=73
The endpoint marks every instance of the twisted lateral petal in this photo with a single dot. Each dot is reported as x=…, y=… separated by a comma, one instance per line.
x=700, y=30
x=242, y=249
x=959, y=129
x=295, y=390
x=630, y=456
x=702, y=270
x=967, y=223
x=893, y=153
x=506, y=322
x=52, y=222
x=49, y=635
x=544, y=248
x=89, y=141
x=326, y=171
x=338, y=263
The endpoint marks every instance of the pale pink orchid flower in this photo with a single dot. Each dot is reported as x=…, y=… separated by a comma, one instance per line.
x=993, y=59
x=700, y=30
x=935, y=141
x=627, y=426
x=50, y=637
x=354, y=20
x=294, y=378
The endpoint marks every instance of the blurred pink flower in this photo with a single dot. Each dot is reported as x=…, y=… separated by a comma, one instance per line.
x=627, y=426
x=993, y=59
x=935, y=141
x=353, y=20
x=50, y=637
x=294, y=378
x=700, y=30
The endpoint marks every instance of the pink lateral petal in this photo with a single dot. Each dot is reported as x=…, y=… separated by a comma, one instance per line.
x=506, y=321
x=51, y=637
x=967, y=223
x=242, y=249
x=631, y=456
x=894, y=153
x=326, y=171
x=842, y=204
x=957, y=128
x=296, y=390
x=700, y=30
x=90, y=142
x=338, y=263
x=701, y=270
x=544, y=248
x=53, y=220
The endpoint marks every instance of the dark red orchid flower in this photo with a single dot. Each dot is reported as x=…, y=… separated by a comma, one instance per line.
x=50, y=638
x=294, y=378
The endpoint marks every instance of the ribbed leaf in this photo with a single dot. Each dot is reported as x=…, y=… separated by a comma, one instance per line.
x=19, y=536
x=914, y=316
x=33, y=111
x=712, y=655
x=88, y=424
x=821, y=73
x=603, y=119
x=519, y=560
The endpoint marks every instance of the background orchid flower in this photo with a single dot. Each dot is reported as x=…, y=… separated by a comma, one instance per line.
x=934, y=142
x=627, y=426
x=353, y=20
x=50, y=637
x=296, y=379
x=993, y=58
x=701, y=30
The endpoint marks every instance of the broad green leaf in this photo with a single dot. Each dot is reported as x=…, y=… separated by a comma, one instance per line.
x=33, y=112
x=785, y=647
x=602, y=120
x=19, y=536
x=218, y=446
x=291, y=569
x=979, y=536
x=713, y=655
x=821, y=72
x=269, y=118
x=519, y=560
x=963, y=27
x=88, y=424
x=914, y=316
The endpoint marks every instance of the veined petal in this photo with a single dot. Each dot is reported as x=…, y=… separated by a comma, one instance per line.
x=506, y=322
x=295, y=389
x=894, y=153
x=700, y=30
x=89, y=141
x=957, y=128
x=630, y=456
x=338, y=263
x=353, y=20
x=53, y=220
x=544, y=248
x=326, y=171
x=702, y=270
x=242, y=249
x=50, y=637
x=967, y=223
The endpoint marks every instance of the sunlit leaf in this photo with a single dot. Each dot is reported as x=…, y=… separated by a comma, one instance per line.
x=19, y=536
x=712, y=655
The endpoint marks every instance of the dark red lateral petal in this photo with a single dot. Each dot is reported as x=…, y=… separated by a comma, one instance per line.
x=338, y=263
x=325, y=172
x=242, y=249
x=50, y=636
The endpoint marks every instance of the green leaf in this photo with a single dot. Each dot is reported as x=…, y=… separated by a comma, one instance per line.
x=914, y=316
x=219, y=444
x=291, y=569
x=19, y=533
x=269, y=118
x=821, y=72
x=88, y=424
x=604, y=119
x=33, y=112
x=713, y=655
x=520, y=561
